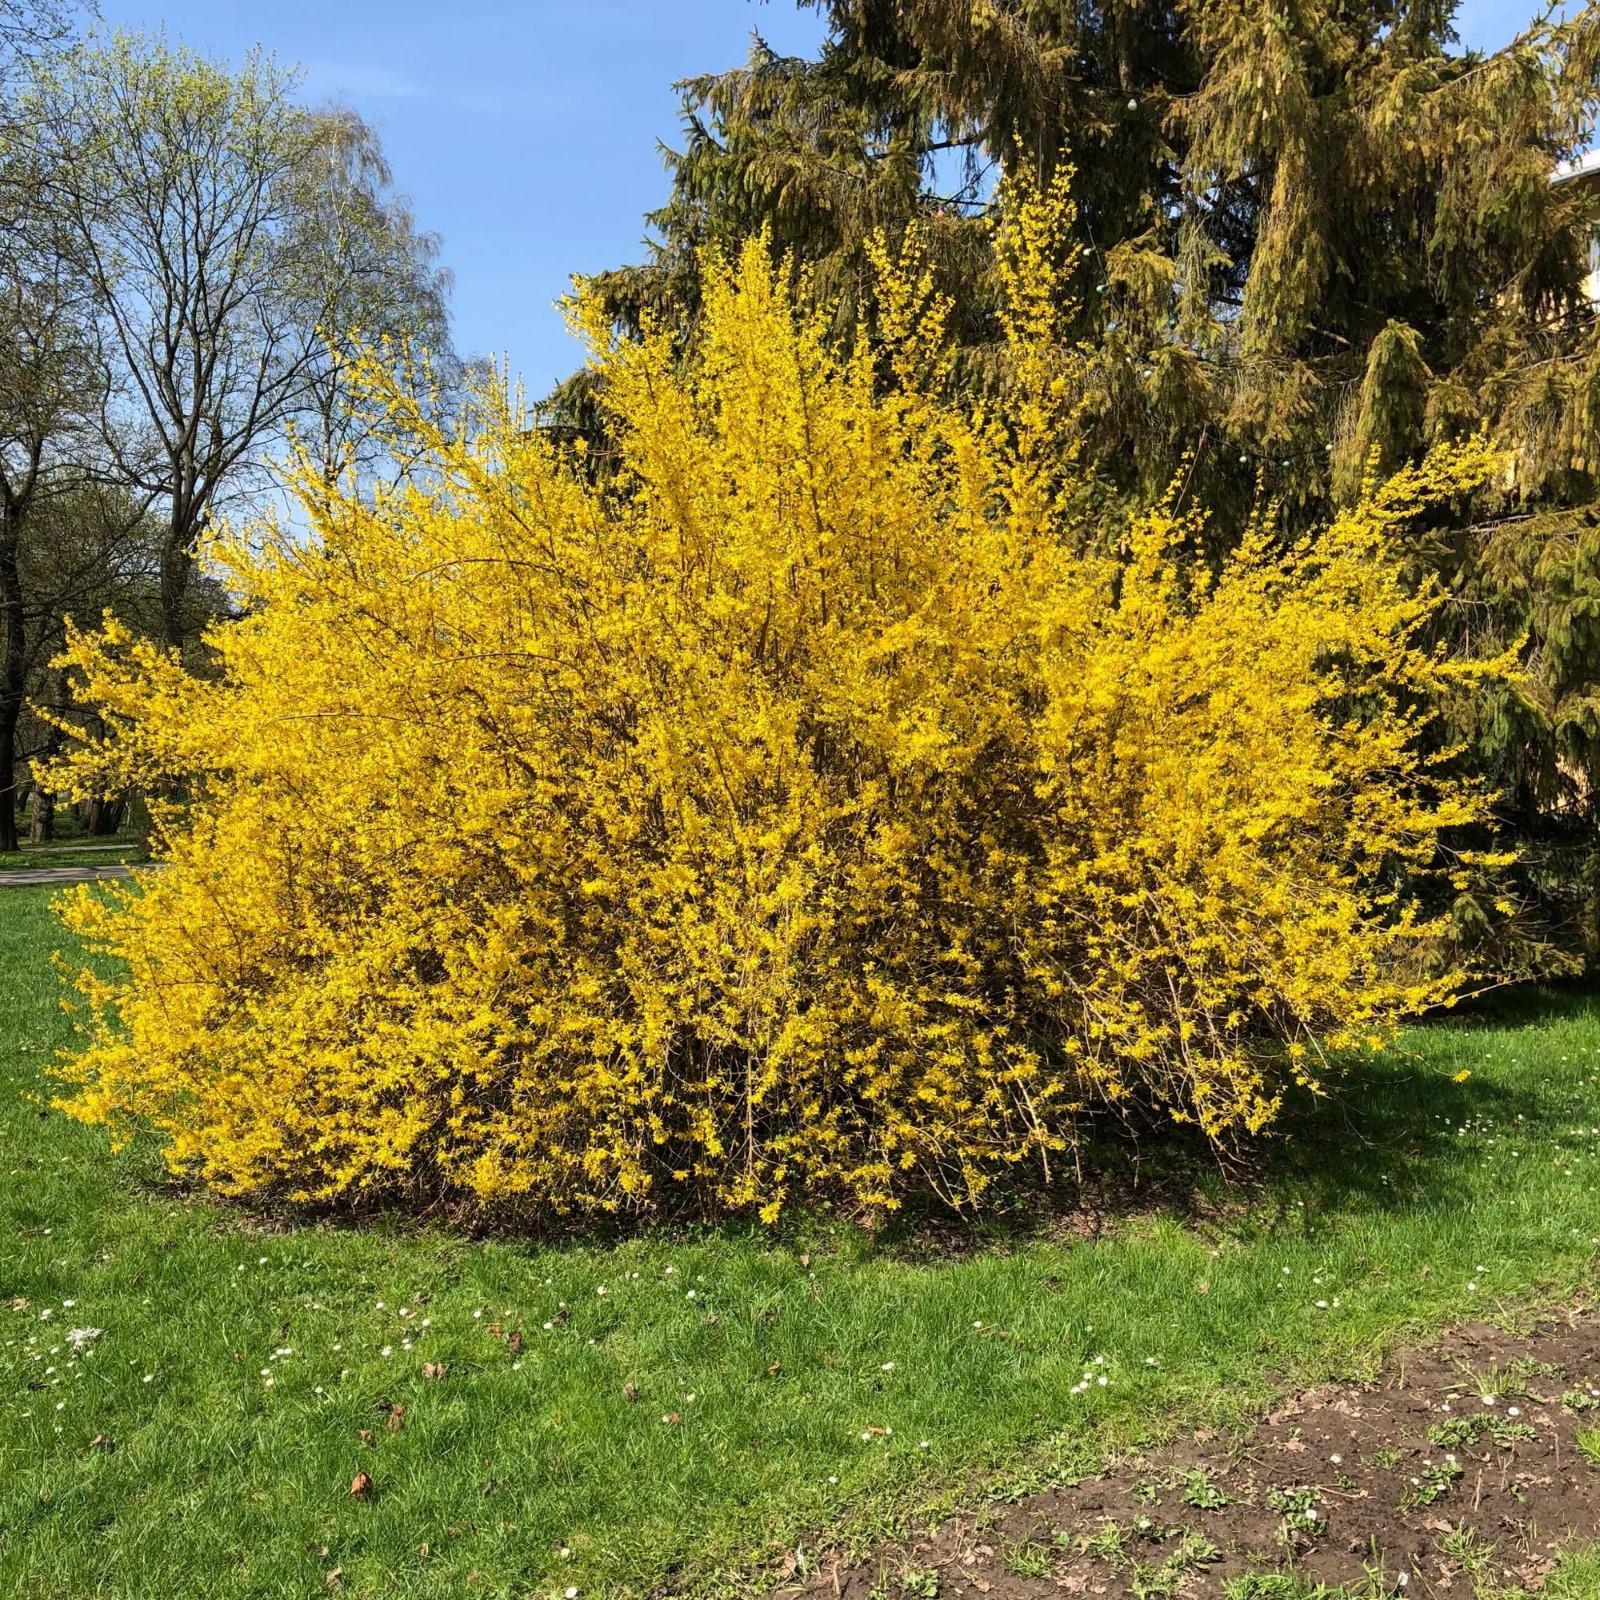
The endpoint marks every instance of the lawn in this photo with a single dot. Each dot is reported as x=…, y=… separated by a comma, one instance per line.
x=32, y=857
x=614, y=1415
x=1577, y=1577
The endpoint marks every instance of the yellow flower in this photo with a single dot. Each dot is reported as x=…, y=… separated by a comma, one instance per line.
x=828, y=795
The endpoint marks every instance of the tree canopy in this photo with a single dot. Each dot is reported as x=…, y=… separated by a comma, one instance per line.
x=1314, y=239
x=187, y=255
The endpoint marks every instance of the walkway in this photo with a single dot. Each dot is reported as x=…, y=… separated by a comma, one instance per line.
x=53, y=877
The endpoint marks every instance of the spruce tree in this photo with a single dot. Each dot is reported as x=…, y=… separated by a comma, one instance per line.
x=1316, y=236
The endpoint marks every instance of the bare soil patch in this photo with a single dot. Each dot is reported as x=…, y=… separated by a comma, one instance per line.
x=1459, y=1466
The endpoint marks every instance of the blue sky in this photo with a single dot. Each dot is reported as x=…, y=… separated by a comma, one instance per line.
x=525, y=131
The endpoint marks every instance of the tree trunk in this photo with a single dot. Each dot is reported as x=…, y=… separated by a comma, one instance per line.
x=176, y=564
x=8, y=780
x=13, y=675
x=1589, y=922
x=42, y=803
x=103, y=817
x=41, y=816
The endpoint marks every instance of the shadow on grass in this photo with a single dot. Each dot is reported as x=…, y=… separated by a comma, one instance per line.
x=1391, y=1126
x=1386, y=1131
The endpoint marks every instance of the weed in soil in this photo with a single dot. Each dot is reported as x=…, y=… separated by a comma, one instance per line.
x=1375, y=1490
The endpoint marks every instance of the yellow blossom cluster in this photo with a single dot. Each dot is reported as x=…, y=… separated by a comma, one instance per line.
x=818, y=798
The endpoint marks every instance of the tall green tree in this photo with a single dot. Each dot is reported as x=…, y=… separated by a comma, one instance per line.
x=91, y=548
x=186, y=254
x=231, y=238
x=1316, y=236
x=51, y=383
x=51, y=389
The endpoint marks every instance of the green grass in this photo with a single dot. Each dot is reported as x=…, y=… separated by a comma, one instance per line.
x=1576, y=1577
x=821, y=1378
x=1296, y=1586
x=95, y=853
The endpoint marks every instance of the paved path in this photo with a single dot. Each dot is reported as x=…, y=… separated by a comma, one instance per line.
x=82, y=847
x=43, y=877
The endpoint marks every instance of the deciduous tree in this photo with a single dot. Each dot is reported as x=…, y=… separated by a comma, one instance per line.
x=227, y=233
x=52, y=385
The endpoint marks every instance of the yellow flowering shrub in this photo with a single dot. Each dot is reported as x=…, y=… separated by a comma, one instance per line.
x=819, y=801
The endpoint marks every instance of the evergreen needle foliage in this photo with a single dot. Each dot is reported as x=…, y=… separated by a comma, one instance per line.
x=834, y=799
x=1313, y=237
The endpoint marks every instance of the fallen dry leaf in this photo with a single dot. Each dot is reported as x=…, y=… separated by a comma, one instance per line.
x=397, y=1418
x=361, y=1486
x=433, y=1369
x=630, y=1391
x=672, y=1419
x=364, y=1435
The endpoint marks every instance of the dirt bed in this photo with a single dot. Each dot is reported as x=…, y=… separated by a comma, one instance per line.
x=1467, y=1465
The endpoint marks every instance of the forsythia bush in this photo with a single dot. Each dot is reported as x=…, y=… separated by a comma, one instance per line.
x=818, y=800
